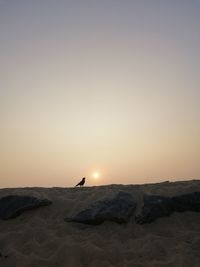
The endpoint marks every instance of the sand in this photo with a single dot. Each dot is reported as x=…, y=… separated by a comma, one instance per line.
x=42, y=238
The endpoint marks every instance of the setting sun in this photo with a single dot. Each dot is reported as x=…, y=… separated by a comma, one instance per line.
x=96, y=175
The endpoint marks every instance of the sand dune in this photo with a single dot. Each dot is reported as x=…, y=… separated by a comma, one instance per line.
x=42, y=238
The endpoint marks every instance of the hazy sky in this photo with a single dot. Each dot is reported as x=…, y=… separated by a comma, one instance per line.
x=102, y=86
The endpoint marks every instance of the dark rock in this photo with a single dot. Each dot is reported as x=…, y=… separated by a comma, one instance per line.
x=154, y=207
x=187, y=202
x=117, y=210
x=157, y=206
x=13, y=205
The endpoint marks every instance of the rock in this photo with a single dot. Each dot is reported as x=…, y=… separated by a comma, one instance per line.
x=187, y=202
x=118, y=210
x=154, y=207
x=157, y=206
x=13, y=205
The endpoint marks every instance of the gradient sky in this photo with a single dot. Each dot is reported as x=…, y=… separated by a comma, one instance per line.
x=99, y=86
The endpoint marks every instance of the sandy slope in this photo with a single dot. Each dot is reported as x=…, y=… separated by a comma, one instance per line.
x=42, y=238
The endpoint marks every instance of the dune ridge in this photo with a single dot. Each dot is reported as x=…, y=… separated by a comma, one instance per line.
x=42, y=238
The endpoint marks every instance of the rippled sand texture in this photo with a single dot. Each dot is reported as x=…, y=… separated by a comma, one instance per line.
x=42, y=238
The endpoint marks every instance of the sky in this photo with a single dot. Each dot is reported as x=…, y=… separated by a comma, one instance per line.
x=108, y=87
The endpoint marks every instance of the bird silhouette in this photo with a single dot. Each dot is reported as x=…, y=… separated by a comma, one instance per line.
x=81, y=183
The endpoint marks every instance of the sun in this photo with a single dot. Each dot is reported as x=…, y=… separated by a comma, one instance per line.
x=96, y=175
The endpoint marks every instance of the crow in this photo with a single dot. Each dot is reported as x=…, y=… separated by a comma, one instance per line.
x=81, y=183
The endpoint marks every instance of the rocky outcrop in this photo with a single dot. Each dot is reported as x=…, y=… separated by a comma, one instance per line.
x=13, y=205
x=118, y=210
x=158, y=206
